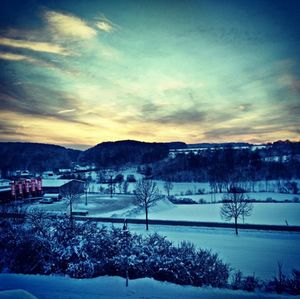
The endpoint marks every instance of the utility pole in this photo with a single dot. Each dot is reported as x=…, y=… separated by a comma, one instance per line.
x=111, y=185
x=86, y=189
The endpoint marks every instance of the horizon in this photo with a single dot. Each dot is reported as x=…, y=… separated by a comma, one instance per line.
x=79, y=74
x=86, y=147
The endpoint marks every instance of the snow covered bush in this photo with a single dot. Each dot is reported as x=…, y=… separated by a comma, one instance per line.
x=283, y=284
x=28, y=254
x=84, y=250
x=81, y=269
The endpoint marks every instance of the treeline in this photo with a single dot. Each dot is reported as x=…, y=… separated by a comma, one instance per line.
x=120, y=153
x=225, y=165
x=35, y=157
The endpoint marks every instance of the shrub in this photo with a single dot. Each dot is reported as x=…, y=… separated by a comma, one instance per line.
x=84, y=250
x=82, y=269
x=247, y=283
x=250, y=283
x=189, y=192
x=201, y=191
x=282, y=283
x=184, y=200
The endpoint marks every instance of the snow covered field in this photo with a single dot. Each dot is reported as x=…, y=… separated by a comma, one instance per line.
x=191, y=189
x=48, y=287
x=263, y=213
x=252, y=252
x=123, y=206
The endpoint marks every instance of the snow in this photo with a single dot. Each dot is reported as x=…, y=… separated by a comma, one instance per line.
x=263, y=213
x=257, y=196
x=16, y=294
x=51, y=195
x=122, y=206
x=47, y=287
x=54, y=182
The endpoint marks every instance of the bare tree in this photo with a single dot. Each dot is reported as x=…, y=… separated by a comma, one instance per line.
x=235, y=205
x=72, y=192
x=168, y=186
x=39, y=221
x=146, y=195
x=87, y=184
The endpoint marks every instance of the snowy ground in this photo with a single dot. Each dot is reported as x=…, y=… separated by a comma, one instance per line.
x=257, y=196
x=48, y=287
x=252, y=252
x=262, y=189
x=263, y=213
x=123, y=206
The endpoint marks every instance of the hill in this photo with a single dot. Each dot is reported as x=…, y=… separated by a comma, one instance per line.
x=125, y=152
x=36, y=157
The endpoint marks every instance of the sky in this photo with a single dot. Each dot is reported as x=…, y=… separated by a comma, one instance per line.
x=77, y=73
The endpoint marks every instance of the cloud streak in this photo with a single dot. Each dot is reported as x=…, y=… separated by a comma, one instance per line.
x=34, y=46
x=15, y=57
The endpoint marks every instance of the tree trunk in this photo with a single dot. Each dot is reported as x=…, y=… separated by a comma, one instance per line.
x=71, y=214
x=236, y=227
x=71, y=209
x=111, y=187
x=146, y=210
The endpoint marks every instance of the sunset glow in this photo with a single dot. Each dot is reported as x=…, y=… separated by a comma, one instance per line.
x=79, y=73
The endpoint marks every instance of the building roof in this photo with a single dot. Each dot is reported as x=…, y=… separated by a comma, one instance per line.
x=54, y=183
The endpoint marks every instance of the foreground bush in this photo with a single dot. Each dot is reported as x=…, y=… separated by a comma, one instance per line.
x=84, y=250
x=43, y=245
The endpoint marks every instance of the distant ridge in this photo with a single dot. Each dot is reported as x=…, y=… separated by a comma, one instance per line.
x=216, y=145
x=35, y=157
x=125, y=152
x=38, y=157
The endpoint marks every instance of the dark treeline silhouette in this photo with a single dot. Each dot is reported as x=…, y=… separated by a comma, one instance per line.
x=216, y=163
x=222, y=166
x=35, y=157
x=110, y=154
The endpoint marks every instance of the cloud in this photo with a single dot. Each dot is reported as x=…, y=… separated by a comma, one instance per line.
x=246, y=132
x=15, y=57
x=290, y=81
x=179, y=117
x=66, y=25
x=9, y=129
x=38, y=62
x=33, y=100
x=104, y=26
x=34, y=46
x=66, y=111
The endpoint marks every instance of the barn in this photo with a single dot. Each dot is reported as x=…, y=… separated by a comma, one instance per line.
x=58, y=186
